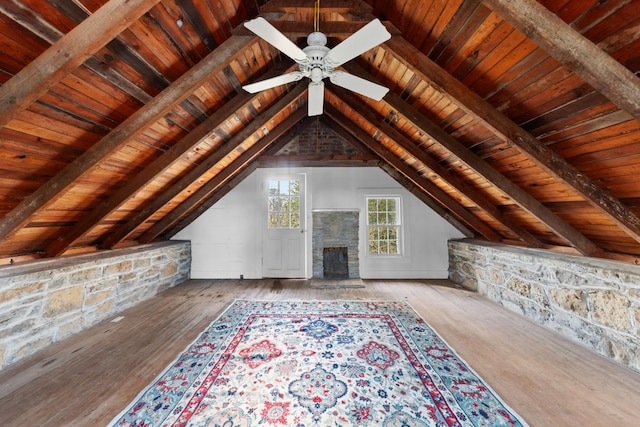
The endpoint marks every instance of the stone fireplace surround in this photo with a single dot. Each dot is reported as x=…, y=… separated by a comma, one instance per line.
x=333, y=228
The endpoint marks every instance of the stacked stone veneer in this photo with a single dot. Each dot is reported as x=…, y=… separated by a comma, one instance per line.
x=334, y=229
x=43, y=302
x=595, y=302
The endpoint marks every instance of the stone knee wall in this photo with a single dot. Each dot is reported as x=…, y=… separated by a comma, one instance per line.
x=592, y=301
x=45, y=301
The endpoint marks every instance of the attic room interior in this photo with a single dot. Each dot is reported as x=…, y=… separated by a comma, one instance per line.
x=161, y=159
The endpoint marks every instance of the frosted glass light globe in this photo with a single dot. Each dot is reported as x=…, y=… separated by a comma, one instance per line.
x=316, y=39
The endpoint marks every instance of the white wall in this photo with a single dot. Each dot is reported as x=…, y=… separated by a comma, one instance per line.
x=227, y=242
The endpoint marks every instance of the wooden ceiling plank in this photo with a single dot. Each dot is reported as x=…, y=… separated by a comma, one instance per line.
x=511, y=190
x=425, y=198
x=410, y=147
x=306, y=6
x=165, y=197
x=573, y=50
x=301, y=29
x=67, y=54
x=507, y=130
x=161, y=164
x=276, y=140
x=127, y=130
x=435, y=193
x=197, y=203
x=218, y=194
x=153, y=170
x=403, y=180
x=319, y=161
x=514, y=192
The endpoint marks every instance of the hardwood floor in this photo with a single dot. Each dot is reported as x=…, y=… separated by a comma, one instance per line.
x=88, y=379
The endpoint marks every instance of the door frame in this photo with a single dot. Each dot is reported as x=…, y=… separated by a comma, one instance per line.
x=286, y=173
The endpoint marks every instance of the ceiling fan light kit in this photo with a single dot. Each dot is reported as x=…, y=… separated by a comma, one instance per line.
x=317, y=62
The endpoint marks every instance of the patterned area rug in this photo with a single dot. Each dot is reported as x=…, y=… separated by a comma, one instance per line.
x=319, y=363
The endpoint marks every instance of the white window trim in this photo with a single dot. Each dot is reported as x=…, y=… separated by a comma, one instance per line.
x=401, y=240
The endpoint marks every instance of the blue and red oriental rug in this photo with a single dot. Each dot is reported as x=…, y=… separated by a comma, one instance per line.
x=319, y=363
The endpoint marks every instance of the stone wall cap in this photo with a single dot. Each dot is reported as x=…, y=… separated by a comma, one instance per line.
x=33, y=266
x=557, y=256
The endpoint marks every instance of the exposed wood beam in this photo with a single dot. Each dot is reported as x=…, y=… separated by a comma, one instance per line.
x=218, y=194
x=511, y=190
x=127, y=130
x=506, y=129
x=318, y=161
x=437, y=194
x=299, y=29
x=410, y=147
x=421, y=195
x=197, y=204
x=403, y=180
x=572, y=49
x=157, y=167
x=67, y=54
x=276, y=141
x=306, y=6
x=148, y=210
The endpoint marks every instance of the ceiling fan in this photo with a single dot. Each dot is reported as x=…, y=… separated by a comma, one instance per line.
x=317, y=61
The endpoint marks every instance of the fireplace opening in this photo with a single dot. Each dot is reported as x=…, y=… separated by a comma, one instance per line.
x=335, y=263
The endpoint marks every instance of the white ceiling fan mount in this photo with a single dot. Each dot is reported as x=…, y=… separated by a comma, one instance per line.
x=317, y=61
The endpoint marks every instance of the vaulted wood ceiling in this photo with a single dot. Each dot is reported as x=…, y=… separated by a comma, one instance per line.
x=121, y=121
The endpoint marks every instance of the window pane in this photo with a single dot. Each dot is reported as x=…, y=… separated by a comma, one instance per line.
x=383, y=233
x=284, y=187
x=392, y=233
x=373, y=218
x=383, y=220
x=273, y=187
x=391, y=218
x=294, y=187
x=373, y=233
x=295, y=220
x=272, y=221
x=275, y=204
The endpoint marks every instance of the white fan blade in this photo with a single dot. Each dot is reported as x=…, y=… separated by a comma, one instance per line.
x=273, y=82
x=367, y=37
x=263, y=29
x=315, y=98
x=358, y=85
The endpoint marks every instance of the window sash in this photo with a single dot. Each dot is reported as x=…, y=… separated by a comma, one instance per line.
x=383, y=225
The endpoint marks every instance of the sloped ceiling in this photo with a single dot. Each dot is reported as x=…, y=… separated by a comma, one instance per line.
x=516, y=120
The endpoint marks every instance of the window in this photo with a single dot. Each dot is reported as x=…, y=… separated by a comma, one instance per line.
x=383, y=225
x=284, y=203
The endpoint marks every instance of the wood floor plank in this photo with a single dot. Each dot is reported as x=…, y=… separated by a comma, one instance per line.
x=91, y=377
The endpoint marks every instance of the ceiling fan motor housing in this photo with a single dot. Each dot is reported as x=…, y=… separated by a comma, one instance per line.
x=317, y=61
x=316, y=68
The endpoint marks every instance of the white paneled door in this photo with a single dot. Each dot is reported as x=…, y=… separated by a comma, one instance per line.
x=284, y=227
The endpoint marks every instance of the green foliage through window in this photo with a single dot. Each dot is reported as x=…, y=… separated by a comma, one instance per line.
x=383, y=225
x=284, y=203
